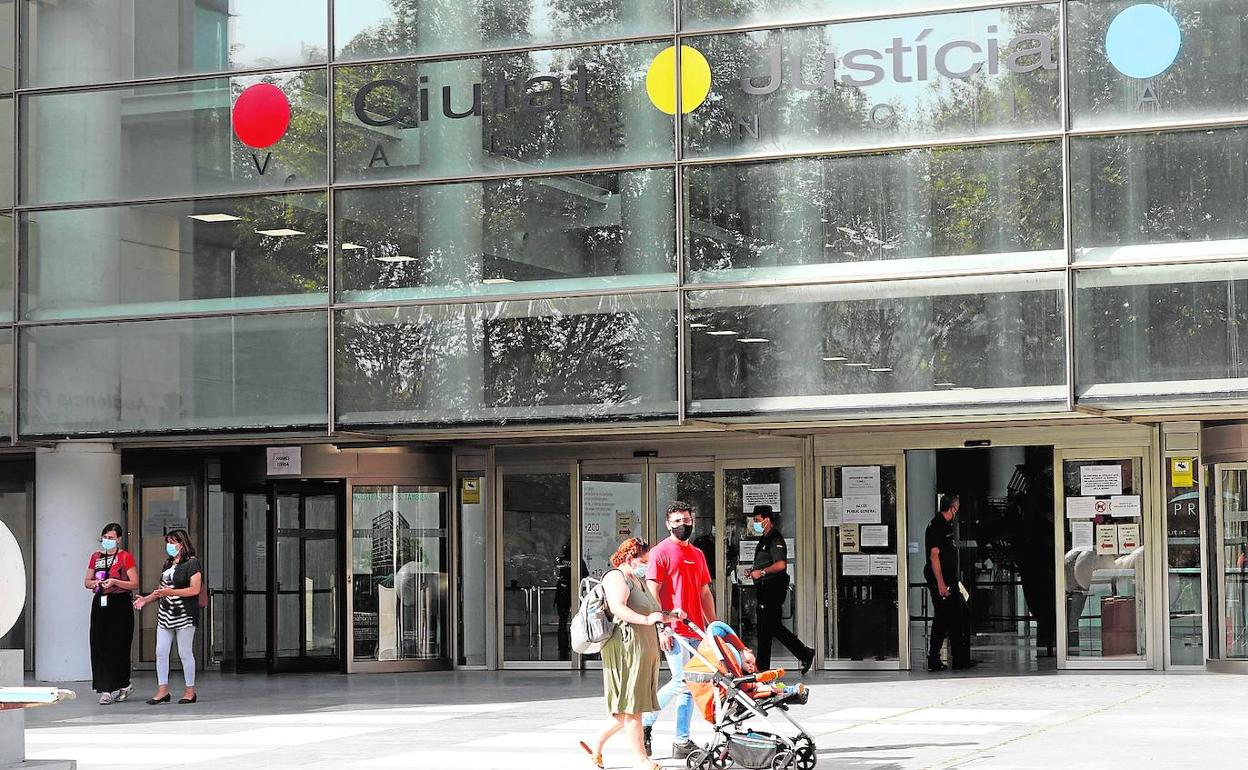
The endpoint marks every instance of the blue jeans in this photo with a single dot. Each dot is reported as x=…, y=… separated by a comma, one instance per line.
x=677, y=657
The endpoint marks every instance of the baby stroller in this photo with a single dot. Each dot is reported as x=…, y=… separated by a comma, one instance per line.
x=728, y=697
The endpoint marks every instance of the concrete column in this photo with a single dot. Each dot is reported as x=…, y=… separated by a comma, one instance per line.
x=77, y=492
x=1001, y=464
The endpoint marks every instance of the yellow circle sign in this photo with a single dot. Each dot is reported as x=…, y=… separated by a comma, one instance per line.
x=695, y=77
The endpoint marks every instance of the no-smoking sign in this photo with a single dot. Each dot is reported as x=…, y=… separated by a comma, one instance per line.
x=1101, y=507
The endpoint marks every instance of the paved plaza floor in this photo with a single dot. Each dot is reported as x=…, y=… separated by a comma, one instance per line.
x=519, y=720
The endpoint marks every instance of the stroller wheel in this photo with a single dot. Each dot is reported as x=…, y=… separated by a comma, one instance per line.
x=806, y=758
x=784, y=760
x=698, y=759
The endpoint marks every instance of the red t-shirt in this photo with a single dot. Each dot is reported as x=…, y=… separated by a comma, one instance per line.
x=681, y=572
x=118, y=565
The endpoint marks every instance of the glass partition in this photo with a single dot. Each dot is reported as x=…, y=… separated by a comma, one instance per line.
x=932, y=210
x=1183, y=564
x=80, y=43
x=162, y=509
x=253, y=371
x=697, y=488
x=474, y=522
x=699, y=14
x=1180, y=62
x=545, y=234
x=366, y=30
x=537, y=566
x=1105, y=528
x=584, y=358
x=858, y=84
x=1159, y=196
x=175, y=139
x=992, y=340
x=499, y=115
x=1161, y=332
x=861, y=555
x=179, y=257
x=400, y=572
x=1229, y=588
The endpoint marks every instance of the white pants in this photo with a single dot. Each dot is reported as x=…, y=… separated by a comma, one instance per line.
x=186, y=651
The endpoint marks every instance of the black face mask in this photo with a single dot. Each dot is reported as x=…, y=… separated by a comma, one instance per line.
x=682, y=531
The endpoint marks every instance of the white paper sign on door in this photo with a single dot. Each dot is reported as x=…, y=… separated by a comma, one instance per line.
x=856, y=565
x=1106, y=540
x=1128, y=538
x=1100, y=480
x=847, y=536
x=873, y=536
x=861, y=481
x=861, y=510
x=1080, y=507
x=1125, y=505
x=748, y=549
x=883, y=564
x=760, y=494
x=1081, y=536
x=832, y=511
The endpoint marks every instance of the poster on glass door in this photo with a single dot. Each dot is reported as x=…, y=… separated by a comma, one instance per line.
x=610, y=514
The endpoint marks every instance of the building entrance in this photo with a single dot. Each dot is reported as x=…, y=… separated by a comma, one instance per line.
x=1005, y=533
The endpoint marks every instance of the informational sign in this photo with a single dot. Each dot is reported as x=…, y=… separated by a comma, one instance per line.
x=873, y=536
x=1097, y=480
x=860, y=510
x=882, y=564
x=748, y=548
x=1081, y=536
x=790, y=547
x=912, y=547
x=470, y=491
x=856, y=565
x=164, y=510
x=284, y=460
x=760, y=494
x=1125, y=505
x=1181, y=472
x=832, y=511
x=1128, y=538
x=1106, y=540
x=607, y=509
x=848, y=538
x=1080, y=507
x=860, y=481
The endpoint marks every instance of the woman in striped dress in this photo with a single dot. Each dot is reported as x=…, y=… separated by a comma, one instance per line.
x=177, y=614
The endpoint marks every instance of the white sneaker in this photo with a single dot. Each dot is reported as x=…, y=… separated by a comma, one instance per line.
x=121, y=695
x=106, y=698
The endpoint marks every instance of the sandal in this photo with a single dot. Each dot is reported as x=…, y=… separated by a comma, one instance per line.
x=595, y=758
x=106, y=698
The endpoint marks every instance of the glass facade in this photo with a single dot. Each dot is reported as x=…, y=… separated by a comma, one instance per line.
x=419, y=212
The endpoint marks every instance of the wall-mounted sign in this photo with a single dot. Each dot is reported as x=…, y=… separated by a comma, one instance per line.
x=285, y=461
x=760, y=494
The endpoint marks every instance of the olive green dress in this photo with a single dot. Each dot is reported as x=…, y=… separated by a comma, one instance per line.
x=630, y=659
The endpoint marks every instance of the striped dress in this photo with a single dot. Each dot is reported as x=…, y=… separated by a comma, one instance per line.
x=172, y=612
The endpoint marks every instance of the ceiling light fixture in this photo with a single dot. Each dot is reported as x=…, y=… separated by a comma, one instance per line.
x=880, y=369
x=753, y=339
x=399, y=258
x=492, y=281
x=699, y=326
x=214, y=217
x=835, y=358
x=352, y=247
x=722, y=333
x=281, y=232
x=856, y=363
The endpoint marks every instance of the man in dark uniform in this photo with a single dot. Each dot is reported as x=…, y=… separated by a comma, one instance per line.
x=771, y=584
x=941, y=572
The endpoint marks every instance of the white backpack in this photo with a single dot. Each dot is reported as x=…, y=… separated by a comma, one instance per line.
x=592, y=625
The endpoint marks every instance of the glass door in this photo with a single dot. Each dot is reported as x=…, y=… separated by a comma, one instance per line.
x=1104, y=533
x=692, y=483
x=1229, y=594
x=162, y=509
x=747, y=484
x=303, y=582
x=863, y=565
x=399, y=577
x=537, y=575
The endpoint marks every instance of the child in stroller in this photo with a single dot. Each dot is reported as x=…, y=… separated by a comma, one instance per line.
x=729, y=691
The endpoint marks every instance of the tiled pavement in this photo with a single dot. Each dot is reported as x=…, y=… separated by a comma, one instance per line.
x=480, y=721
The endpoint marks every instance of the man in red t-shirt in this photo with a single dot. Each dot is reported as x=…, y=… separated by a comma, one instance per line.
x=679, y=579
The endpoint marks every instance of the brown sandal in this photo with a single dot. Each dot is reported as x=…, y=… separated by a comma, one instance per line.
x=595, y=758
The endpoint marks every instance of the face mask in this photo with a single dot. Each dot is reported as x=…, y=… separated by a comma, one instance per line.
x=640, y=570
x=682, y=531
x=757, y=526
x=108, y=544
x=171, y=549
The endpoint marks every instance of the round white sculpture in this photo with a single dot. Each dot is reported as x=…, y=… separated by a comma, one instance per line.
x=13, y=580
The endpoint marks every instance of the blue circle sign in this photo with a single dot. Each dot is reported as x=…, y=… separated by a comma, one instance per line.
x=1143, y=41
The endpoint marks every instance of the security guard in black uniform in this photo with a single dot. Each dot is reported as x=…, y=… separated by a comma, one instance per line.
x=941, y=571
x=771, y=580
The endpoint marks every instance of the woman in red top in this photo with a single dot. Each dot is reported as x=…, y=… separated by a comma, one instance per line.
x=111, y=577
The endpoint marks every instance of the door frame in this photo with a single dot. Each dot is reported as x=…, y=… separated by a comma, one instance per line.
x=896, y=459
x=304, y=662
x=1152, y=530
x=1215, y=651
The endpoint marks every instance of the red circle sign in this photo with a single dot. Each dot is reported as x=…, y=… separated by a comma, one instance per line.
x=261, y=115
